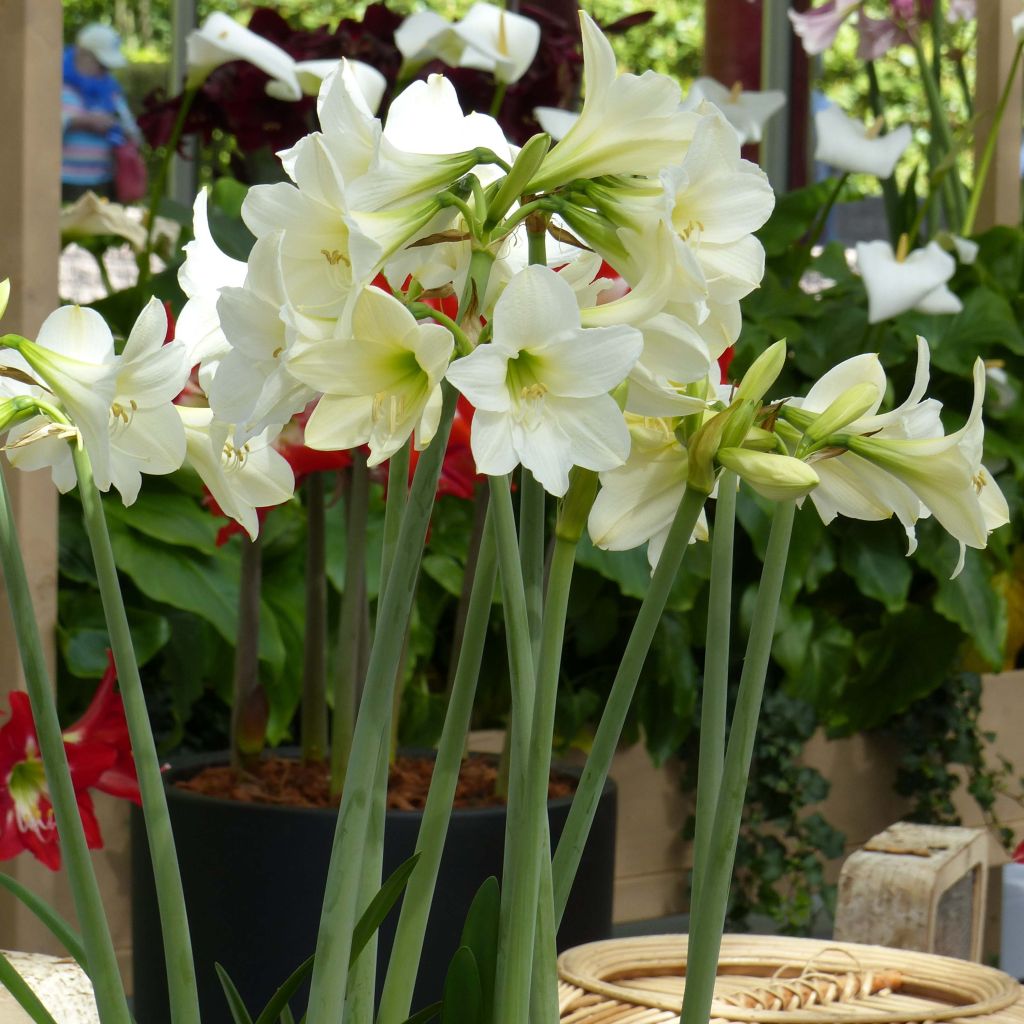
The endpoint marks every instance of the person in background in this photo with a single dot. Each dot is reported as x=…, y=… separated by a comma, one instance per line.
x=94, y=115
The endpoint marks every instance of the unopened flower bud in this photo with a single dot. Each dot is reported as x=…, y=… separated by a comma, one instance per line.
x=574, y=508
x=775, y=477
x=763, y=373
x=526, y=165
x=849, y=406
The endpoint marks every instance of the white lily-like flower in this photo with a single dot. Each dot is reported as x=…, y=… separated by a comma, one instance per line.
x=381, y=379
x=253, y=387
x=242, y=477
x=846, y=143
x=541, y=386
x=917, y=281
x=120, y=405
x=221, y=39
x=555, y=121
x=311, y=75
x=628, y=124
x=488, y=38
x=746, y=110
x=718, y=201
x=204, y=273
x=638, y=500
x=89, y=216
x=946, y=474
x=1017, y=27
x=817, y=27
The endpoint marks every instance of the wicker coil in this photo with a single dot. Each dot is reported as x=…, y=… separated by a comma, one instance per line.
x=641, y=981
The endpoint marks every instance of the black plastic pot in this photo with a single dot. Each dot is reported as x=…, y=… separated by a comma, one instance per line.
x=253, y=876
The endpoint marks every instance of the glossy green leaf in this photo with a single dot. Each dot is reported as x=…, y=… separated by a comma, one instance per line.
x=166, y=514
x=480, y=934
x=239, y=1014
x=82, y=634
x=462, y=1001
x=874, y=556
x=278, y=1005
x=380, y=906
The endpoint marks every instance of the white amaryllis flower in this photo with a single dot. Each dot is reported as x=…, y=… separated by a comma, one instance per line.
x=119, y=404
x=204, y=273
x=817, y=27
x=746, y=110
x=541, y=386
x=637, y=501
x=946, y=475
x=242, y=477
x=381, y=379
x=846, y=143
x=555, y=121
x=221, y=39
x=311, y=75
x=916, y=281
x=89, y=216
x=628, y=124
x=488, y=38
x=252, y=387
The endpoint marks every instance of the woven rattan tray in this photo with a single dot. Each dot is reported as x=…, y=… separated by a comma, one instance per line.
x=783, y=981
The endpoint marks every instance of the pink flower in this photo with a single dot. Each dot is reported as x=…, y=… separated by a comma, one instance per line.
x=878, y=36
x=817, y=28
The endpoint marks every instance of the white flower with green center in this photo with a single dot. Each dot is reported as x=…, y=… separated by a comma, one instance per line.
x=380, y=379
x=242, y=477
x=541, y=386
x=119, y=404
x=746, y=111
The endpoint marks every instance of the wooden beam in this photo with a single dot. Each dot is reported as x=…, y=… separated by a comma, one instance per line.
x=30, y=80
x=1000, y=201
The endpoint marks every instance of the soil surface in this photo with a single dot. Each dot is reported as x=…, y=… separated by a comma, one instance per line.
x=277, y=780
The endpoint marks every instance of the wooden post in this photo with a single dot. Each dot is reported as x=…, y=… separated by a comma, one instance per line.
x=1000, y=201
x=30, y=80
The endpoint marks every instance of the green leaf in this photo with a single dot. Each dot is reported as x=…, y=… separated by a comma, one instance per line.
x=815, y=653
x=428, y=1013
x=463, y=999
x=480, y=934
x=239, y=1013
x=167, y=515
x=445, y=571
x=794, y=211
x=278, y=1005
x=228, y=194
x=58, y=927
x=876, y=562
x=84, y=640
x=380, y=906
x=11, y=980
x=629, y=569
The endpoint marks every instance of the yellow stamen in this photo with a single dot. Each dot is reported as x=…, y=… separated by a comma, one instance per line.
x=736, y=92
x=533, y=392
x=502, y=35
x=333, y=257
x=875, y=128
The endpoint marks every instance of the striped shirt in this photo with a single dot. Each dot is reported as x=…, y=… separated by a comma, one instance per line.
x=88, y=157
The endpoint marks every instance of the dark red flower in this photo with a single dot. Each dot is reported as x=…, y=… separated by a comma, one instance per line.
x=99, y=757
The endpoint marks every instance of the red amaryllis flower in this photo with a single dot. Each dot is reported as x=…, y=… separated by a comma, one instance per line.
x=99, y=757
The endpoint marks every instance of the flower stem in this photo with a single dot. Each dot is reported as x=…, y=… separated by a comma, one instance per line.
x=181, y=978
x=100, y=956
x=248, y=724
x=532, y=507
x=985, y=163
x=715, y=692
x=340, y=907
x=394, y=509
x=353, y=600
x=818, y=226
x=606, y=739
x=706, y=929
x=314, y=650
x=159, y=185
x=396, y=1001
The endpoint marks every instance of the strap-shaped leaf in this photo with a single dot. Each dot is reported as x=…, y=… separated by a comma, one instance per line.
x=462, y=1001
x=239, y=1013
x=11, y=980
x=428, y=1013
x=58, y=926
x=287, y=1017
x=379, y=907
x=480, y=934
x=278, y=1005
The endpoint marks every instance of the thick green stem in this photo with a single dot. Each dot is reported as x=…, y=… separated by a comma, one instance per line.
x=353, y=602
x=394, y=509
x=341, y=897
x=248, y=703
x=473, y=548
x=99, y=949
x=715, y=692
x=532, y=507
x=530, y=846
x=985, y=163
x=609, y=729
x=314, y=660
x=181, y=978
x=159, y=184
x=706, y=930
x=396, y=1001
